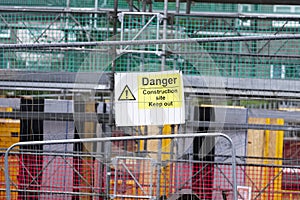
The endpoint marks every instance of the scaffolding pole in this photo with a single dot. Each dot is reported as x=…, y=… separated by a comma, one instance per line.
x=149, y=42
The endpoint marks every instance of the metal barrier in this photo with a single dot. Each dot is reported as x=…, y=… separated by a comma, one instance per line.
x=117, y=168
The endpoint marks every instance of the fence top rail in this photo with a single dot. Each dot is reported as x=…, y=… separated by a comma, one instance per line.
x=110, y=139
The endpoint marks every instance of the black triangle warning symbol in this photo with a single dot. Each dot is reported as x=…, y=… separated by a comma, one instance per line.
x=126, y=94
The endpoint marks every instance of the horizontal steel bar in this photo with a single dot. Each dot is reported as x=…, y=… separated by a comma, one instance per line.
x=101, y=81
x=105, y=11
x=67, y=193
x=149, y=42
x=52, y=9
x=290, y=56
x=242, y=86
x=269, y=2
x=242, y=126
x=31, y=115
x=263, y=16
x=59, y=85
x=103, y=118
x=240, y=92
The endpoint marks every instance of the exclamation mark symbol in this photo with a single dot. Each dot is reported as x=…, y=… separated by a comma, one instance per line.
x=126, y=94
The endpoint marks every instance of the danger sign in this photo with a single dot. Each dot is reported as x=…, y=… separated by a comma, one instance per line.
x=152, y=98
x=160, y=91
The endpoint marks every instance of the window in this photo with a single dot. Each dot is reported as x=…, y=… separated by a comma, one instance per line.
x=5, y=33
x=277, y=71
x=282, y=9
x=244, y=8
x=280, y=71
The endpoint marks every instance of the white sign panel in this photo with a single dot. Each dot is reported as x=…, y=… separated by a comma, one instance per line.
x=149, y=98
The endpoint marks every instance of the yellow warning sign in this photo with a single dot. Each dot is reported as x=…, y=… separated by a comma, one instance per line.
x=160, y=91
x=126, y=94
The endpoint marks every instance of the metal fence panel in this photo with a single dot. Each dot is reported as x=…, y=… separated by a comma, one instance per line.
x=42, y=170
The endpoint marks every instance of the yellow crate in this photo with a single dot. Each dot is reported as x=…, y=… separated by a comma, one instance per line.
x=13, y=173
x=6, y=109
x=9, y=132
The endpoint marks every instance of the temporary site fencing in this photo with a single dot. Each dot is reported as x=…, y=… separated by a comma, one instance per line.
x=118, y=167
